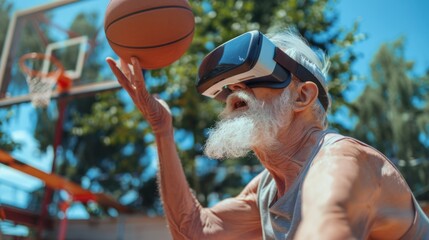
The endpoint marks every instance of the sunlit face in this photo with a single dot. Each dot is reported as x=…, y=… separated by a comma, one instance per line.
x=251, y=118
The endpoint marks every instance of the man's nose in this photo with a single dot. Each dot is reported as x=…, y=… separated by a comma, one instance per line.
x=237, y=86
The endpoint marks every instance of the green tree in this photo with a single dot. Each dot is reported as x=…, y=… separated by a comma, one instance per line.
x=392, y=113
x=6, y=142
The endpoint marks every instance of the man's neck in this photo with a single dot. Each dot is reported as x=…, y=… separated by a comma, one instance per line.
x=287, y=158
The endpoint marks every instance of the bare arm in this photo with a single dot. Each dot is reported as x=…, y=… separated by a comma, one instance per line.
x=339, y=195
x=230, y=219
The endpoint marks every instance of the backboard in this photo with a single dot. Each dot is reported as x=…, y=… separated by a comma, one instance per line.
x=70, y=30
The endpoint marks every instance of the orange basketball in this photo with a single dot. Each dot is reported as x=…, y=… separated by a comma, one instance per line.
x=158, y=32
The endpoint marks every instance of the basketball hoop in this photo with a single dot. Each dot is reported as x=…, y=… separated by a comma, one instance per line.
x=41, y=82
x=64, y=83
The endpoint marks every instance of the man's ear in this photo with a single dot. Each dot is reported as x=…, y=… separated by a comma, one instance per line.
x=307, y=94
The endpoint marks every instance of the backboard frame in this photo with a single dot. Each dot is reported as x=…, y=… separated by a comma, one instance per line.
x=9, y=47
x=81, y=42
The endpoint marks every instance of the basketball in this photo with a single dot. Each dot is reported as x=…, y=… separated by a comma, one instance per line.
x=157, y=32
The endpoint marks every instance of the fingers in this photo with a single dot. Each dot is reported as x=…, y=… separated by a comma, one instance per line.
x=132, y=80
x=139, y=78
x=118, y=73
x=125, y=68
x=122, y=79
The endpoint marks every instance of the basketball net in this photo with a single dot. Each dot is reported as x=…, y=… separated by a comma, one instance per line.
x=41, y=82
x=41, y=89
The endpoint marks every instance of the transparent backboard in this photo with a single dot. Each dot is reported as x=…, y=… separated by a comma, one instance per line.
x=71, y=31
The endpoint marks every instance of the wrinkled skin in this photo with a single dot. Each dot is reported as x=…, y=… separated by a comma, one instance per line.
x=351, y=191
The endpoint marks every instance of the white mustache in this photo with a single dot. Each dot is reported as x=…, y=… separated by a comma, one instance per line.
x=239, y=131
x=246, y=97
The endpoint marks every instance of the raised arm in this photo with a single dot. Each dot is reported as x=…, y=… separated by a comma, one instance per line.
x=230, y=219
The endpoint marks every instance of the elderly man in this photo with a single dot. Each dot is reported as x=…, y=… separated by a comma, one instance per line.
x=317, y=184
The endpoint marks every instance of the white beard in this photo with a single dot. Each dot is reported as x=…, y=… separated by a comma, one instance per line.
x=239, y=131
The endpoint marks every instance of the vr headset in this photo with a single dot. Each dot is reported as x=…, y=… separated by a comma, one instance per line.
x=254, y=60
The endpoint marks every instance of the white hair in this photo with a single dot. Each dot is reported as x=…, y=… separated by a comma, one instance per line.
x=294, y=45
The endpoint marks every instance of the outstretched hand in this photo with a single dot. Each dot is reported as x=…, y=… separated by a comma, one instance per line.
x=155, y=110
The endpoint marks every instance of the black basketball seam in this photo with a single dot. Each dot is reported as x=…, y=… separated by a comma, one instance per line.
x=154, y=46
x=145, y=10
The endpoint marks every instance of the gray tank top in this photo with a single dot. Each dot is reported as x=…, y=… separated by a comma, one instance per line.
x=280, y=219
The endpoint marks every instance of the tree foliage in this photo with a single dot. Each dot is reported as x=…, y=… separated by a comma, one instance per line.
x=6, y=142
x=392, y=113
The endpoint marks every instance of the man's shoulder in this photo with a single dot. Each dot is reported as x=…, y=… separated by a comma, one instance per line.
x=339, y=146
x=351, y=157
x=346, y=156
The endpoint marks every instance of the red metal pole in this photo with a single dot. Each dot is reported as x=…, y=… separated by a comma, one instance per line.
x=47, y=198
x=63, y=220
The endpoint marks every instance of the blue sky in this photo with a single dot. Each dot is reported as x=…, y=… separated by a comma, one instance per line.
x=385, y=21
